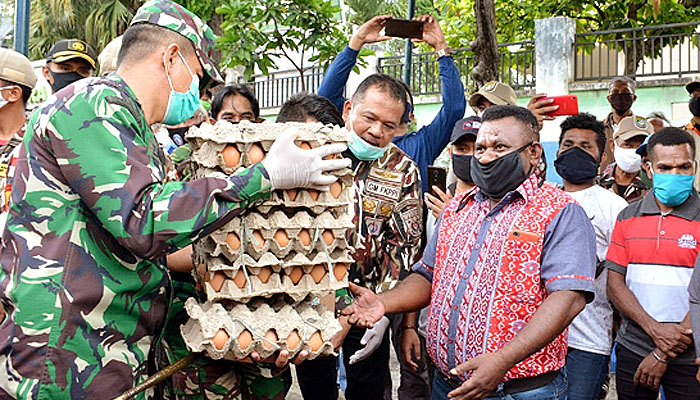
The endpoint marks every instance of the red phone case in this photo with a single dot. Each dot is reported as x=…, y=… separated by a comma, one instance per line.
x=568, y=105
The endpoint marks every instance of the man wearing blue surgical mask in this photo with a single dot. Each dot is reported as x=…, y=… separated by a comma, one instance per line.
x=651, y=258
x=388, y=217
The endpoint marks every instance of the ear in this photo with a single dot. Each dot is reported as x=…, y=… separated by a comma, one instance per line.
x=212, y=120
x=346, y=110
x=612, y=144
x=449, y=151
x=47, y=74
x=170, y=54
x=535, y=153
x=603, y=158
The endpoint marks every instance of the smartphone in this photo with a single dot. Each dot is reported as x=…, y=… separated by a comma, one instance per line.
x=404, y=28
x=568, y=105
x=437, y=176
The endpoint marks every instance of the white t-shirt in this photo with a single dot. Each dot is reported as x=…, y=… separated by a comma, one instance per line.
x=591, y=330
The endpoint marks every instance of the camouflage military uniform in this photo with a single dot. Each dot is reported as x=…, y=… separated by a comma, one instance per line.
x=388, y=217
x=83, y=278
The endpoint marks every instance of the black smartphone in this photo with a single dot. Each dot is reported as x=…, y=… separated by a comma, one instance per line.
x=404, y=28
x=437, y=176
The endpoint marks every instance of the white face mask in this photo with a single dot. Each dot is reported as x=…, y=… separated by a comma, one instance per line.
x=3, y=102
x=627, y=159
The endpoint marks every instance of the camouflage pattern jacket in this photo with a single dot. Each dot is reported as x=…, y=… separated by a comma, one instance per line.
x=83, y=277
x=388, y=217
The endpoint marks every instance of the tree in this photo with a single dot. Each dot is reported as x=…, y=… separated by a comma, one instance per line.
x=258, y=31
x=485, y=46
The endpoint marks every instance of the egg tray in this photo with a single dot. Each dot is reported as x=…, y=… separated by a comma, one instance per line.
x=208, y=141
x=257, y=235
x=212, y=323
x=296, y=278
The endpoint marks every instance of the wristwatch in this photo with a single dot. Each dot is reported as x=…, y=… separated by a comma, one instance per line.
x=444, y=52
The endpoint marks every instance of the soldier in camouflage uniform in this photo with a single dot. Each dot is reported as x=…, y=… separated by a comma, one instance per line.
x=83, y=278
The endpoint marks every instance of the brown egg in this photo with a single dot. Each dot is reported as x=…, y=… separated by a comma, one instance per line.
x=317, y=273
x=255, y=153
x=245, y=339
x=231, y=156
x=315, y=341
x=201, y=270
x=281, y=238
x=259, y=240
x=239, y=278
x=305, y=237
x=339, y=271
x=293, y=340
x=292, y=194
x=216, y=280
x=305, y=145
x=270, y=335
x=296, y=274
x=264, y=274
x=233, y=241
x=314, y=194
x=336, y=189
x=220, y=339
x=328, y=237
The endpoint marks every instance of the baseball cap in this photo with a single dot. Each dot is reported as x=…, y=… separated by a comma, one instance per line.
x=632, y=126
x=642, y=149
x=692, y=86
x=16, y=68
x=496, y=92
x=177, y=18
x=68, y=49
x=465, y=126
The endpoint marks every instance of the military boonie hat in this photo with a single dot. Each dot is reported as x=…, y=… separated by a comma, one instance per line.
x=177, y=18
x=497, y=93
x=68, y=49
x=465, y=126
x=632, y=126
x=692, y=86
x=16, y=68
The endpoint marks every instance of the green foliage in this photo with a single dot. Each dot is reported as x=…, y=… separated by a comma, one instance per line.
x=257, y=31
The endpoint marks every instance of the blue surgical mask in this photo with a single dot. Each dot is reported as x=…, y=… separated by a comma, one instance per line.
x=672, y=189
x=361, y=149
x=182, y=106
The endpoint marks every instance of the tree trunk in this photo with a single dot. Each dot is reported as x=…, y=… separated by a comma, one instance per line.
x=485, y=46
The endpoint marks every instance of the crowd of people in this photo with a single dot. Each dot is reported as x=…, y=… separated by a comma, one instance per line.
x=501, y=285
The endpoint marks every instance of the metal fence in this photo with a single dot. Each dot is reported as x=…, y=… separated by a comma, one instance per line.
x=274, y=89
x=654, y=51
x=517, y=68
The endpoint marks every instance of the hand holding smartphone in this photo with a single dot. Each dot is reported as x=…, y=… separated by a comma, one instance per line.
x=568, y=105
x=437, y=176
x=404, y=28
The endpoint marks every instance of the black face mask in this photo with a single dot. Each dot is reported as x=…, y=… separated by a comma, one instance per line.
x=63, y=79
x=694, y=105
x=576, y=166
x=500, y=176
x=621, y=102
x=462, y=166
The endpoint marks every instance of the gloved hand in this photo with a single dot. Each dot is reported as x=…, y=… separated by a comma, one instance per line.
x=290, y=166
x=371, y=340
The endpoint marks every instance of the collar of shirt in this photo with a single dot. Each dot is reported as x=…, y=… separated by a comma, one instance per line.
x=689, y=210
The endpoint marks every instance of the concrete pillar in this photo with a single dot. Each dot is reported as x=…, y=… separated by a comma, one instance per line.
x=554, y=66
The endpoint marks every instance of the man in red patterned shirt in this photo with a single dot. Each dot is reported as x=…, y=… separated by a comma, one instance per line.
x=510, y=266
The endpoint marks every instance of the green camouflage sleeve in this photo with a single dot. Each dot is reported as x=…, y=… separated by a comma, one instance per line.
x=112, y=161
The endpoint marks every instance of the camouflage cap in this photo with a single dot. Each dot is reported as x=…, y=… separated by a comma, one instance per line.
x=177, y=18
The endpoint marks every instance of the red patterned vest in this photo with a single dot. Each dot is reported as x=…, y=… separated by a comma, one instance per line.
x=504, y=289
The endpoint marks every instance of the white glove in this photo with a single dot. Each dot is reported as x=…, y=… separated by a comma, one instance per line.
x=290, y=166
x=371, y=340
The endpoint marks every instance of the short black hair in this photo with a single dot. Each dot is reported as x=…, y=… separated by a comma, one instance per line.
x=394, y=87
x=589, y=122
x=230, y=90
x=522, y=114
x=141, y=40
x=301, y=106
x=670, y=136
x=26, y=90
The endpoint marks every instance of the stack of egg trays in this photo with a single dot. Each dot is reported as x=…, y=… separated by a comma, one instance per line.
x=240, y=272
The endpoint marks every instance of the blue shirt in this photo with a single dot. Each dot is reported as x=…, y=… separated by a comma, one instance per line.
x=424, y=145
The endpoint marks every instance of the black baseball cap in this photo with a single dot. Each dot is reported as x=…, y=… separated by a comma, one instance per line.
x=68, y=49
x=465, y=126
x=690, y=87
